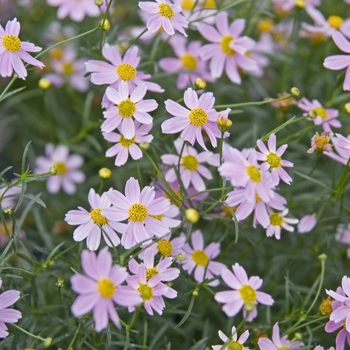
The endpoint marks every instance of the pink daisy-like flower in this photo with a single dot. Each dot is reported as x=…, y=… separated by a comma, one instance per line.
x=338, y=62
x=277, y=341
x=8, y=315
x=125, y=146
x=200, y=259
x=191, y=168
x=279, y=221
x=343, y=154
x=120, y=69
x=307, y=223
x=75, y=9
x=100, y=288
x=272, y=160
x=66, y=165
x=234, y=343
x=343, y=236
x=284, y=7
x=150, y=290
x=244, y=295
x=140, y=209
x=188, y=62
x=200, y=116
x=320, y=143
x=228, y=48
x=13, y=51
x=343, y=143
x=165, y=15
x=92, y=224
x=326, y=117
x=128, y=105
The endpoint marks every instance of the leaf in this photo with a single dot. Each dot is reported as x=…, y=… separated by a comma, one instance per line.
x=199, y=345
x=9, y=94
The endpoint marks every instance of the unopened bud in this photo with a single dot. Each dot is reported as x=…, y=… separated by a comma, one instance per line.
x=298, y=336
x=326, y=306
x=104, y=25
x=99, y=2
x=53, y=170
x=312, y=114
x=104, y=173
x=192, y=215
x=180, y=257
x=8, y=210
x=60, y=282
x=195, y=293
x=224, y=123
x=249, y=307
x=322, y=257
x=295, y=92
x=47, y=342
x=44, y=83
x=347, y=108
x=200, y=84
x=144, y=145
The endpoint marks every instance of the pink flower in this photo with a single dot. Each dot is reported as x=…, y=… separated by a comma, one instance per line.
x=75, y=9
x=342, y=156
x=125, y=146
x=228, y=48
x=188, y=63
x=320, y=143
x=307, y=223
x=140, y=209
x=8, y=315
x=66, y=165
x=338, y=62
x=279, y=221
x=100, y=288
x=13, y=51
x=191, y=168
x=92, y=224
x=128, y=105
x=343, y=144
x=165, y=15
x=200, y=116
x=244, y=294
x=278, y=342
x=200, y=259
x=234, y=343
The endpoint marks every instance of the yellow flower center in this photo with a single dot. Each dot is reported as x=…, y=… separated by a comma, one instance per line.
x=189, y=61
x=68, y=68
x=265, y=25
x=146, y=291
x=157, y=217
x=254, y=173
x=300, y=3
x=187, y=5
x=127, y=108
x=321, y=112
x=208, y=4
x=166, y=11
x=198, y=117
x=276, y=219
x=235, y=345
x=97, y=218
x=138, y=212
x=227, y=211
x=335, y=22
x=172, y=200
x=126, y=142
x=56, y=53
x=126, y=71
x=11, y=43
x=274, y=160
x=165, y=247
x=150, y=272
x=106, y=288
x=200, y=257
x=257, y=198
x=248, y=294
x=225, y=45
x=61, y=168
x=321, y=142
x=190, y=162
x=284, y=347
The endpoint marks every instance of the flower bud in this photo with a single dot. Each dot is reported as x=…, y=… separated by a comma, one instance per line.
x=224, y=123
x=200, y=84
x=104, y=173
x=144, y=145
x=53, y=170
x=249, y=307
x=347, y=108
x=60, y=282
x=47, y=342
x=180, y=257
x=192, y=215
x=322, y=257
x=325, y=307
x=104, y=25
x=99, y=2
x=312, y=114
x=8, y=210
x=44, y=83
x=295, y=92
x=195, y=293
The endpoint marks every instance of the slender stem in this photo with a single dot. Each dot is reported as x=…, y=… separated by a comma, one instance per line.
x=15, y=76
x=30, y=334
x=75, y=335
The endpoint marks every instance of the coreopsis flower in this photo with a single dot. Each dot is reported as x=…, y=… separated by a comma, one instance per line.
x=120, y=69
x=343, y=143
x=200, y=259
x=125, y=146
x=140, y=209
x=188, y=63
x=343, y=236
x=342, y=155
x=278, y=221
x=13, y=51
x=92, y=224
x=285, y=7
x=272, y=160
x=201, y=116
x=151, y=290
x=244, y=293
x=75, y=9
x=191, y=168
x=338, y=62
x=307, y=223
x=165, y=15
x=100, y=288
x=128, y=105
x=234, y=343
x=277, y=341
x=66, y=165
x=326, y=117
x=8, y=315
x=320, y=143
x=227, y=49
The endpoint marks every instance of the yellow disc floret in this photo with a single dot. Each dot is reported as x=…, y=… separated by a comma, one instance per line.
x=126, y=71
x=127, y=108
x=138, y=212
x=68, y=68
x=127, y=142
x=335, y=22
x=61, y=168
x=189, y=61
x=274, y=160
x=235, y=345
x=166, y=11
x=150, y=272
x=248, y=294
x=11, y=43
x=276, y=219
x=225, y=45
x=97, y=218
x=187, y=5
x=200, y=257
x=254, y=173
x=145, y=291
x=106, y=288
x=321, y=112
x=198, y=117
x=189, y=162
x=165, y=247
